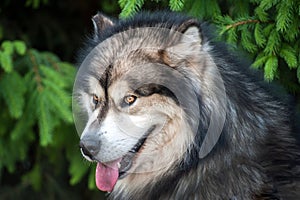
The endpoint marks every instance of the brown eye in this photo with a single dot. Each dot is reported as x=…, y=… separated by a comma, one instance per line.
x=129, y=100
x=95, y=100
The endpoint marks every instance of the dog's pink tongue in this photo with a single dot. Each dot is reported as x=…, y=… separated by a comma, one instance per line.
x=107, y=175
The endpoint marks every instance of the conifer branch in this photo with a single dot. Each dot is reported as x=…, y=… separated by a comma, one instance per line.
x=53, y=63
x=35, y=67
x=249, y=21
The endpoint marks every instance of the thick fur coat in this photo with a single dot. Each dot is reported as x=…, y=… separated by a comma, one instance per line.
x=256, y=155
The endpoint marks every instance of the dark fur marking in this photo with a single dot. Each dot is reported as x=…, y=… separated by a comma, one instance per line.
x=104, y=82
x=150, y=89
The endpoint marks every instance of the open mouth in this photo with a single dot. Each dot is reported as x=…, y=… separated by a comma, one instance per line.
x=108, y=173
x=126, y=162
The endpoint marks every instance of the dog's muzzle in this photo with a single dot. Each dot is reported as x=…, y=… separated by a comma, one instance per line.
x=89, y=146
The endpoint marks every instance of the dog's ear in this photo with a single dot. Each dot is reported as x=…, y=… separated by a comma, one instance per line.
x=101, y=22
x=188, y=45
x=191, y=36
x=191, y=31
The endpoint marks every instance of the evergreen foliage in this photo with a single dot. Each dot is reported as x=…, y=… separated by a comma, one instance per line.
x=35, y=94
x=130, y=7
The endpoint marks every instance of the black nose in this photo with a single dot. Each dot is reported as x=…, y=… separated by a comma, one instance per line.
x=90, y=146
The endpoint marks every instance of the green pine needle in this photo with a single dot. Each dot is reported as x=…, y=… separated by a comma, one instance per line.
x=77, y=167
x=45, y=120
x=246, y=41
x=271, y=68
x=130, y=7
x=273, y=43
x=53, y=75
x=261, y=14
x=176, y=5
x=20, y=47
x=260, y=60
x=61, y=107
x=7, y=47
x=259, y=37
x=14, y=99
x=289, y=55
x=284, y=15
x=92, y=179
x=6, y=61
x=34, y=177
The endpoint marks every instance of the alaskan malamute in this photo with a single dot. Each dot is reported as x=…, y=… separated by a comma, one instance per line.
x=168, y=113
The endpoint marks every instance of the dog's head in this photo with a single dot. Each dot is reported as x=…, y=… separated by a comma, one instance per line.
x=137, y=98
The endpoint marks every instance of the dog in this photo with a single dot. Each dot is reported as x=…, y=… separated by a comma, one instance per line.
x=168, y=112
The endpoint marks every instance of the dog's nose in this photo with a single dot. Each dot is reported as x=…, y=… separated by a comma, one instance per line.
x=90, y=146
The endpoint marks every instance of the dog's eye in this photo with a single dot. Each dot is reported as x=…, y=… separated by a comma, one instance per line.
x=129, y=100
x=95, y=100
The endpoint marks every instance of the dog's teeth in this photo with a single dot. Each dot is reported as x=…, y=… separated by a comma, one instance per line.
x=119, y=165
